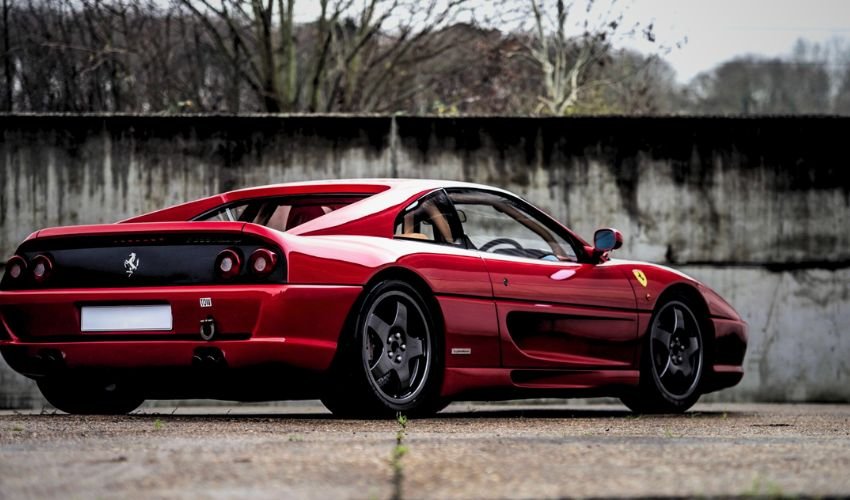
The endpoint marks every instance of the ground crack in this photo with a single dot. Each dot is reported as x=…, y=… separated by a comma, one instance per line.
x=399, y=451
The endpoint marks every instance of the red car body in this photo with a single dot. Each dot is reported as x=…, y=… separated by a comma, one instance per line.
x=509, y=326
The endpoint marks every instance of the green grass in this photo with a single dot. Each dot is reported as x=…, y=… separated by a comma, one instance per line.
x=400, y=448
x=399, y=451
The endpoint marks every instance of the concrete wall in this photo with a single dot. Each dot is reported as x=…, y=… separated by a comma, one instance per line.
x=757, y=208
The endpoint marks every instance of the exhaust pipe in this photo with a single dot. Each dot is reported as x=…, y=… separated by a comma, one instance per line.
x=51, y=360
x=208, y=357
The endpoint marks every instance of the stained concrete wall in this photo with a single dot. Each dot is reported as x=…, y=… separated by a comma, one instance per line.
x=757, y=208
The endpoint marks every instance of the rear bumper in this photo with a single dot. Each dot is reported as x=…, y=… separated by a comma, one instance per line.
x=44, y=358
x=294, y=325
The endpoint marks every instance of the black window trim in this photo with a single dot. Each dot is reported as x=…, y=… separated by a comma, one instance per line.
x=454, y=224
x=547, y=220
x=256, y=203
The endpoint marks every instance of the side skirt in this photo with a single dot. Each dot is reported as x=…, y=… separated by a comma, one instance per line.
x=510, y=383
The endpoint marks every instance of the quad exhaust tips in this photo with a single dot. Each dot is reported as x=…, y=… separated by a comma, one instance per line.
x=208, y=357
x=50, y=360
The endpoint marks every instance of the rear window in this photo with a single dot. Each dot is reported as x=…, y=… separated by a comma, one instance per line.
x=281, y=214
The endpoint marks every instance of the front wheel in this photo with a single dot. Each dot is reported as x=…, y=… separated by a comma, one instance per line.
x=394, y=363
x=83, y=396
x=672, y=361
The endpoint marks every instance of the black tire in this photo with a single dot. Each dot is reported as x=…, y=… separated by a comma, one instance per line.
x=88, y=396
x=394, y=362
x=672, y=360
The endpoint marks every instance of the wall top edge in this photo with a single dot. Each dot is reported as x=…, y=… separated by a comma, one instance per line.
x=184, y=116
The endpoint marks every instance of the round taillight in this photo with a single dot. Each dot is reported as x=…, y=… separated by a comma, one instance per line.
x=227, y=264
x=42, y=268
x=262, y=262
x=16, y=267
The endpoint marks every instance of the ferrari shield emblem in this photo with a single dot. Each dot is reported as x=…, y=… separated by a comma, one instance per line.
x=639, y=276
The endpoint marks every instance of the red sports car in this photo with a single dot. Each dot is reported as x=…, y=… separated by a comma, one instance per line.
x=377, y=296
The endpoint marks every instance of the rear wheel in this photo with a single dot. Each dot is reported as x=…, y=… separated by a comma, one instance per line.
x=80, y=396
x=672, y=361
x=394, y=363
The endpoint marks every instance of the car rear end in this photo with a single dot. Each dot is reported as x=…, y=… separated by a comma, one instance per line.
x=148, y=298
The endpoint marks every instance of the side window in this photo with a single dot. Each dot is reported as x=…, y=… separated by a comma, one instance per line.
x=497, y=224
x=430, y=218
x=281, y=214
x=226, y=214
x=285, y=215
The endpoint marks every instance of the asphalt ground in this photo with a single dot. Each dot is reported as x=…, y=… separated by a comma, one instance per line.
x=469, y=451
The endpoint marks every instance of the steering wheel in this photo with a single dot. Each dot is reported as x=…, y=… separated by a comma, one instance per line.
x=500, y=241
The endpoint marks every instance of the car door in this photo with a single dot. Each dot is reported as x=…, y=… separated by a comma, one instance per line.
x=553, y=310
x=457, y=275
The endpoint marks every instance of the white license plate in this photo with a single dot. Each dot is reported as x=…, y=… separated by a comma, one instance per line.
x=126, y=318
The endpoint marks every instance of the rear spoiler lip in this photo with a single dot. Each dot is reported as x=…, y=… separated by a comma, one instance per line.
x=32, y=236
x=139, y=228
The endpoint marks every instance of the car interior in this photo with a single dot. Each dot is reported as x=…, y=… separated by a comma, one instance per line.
x=471, y=219
x=483, y=221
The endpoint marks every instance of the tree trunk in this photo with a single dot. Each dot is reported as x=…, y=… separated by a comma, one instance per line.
x=8, y=67
x=289, y=61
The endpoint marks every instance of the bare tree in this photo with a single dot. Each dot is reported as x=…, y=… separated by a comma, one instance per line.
x=841, y=100
x=250, y=55
x=355, y=50
x=567, y=40
x=431, y=56
x=97, y=55
x=750, y=85
x=630, y=83
x=8, y=66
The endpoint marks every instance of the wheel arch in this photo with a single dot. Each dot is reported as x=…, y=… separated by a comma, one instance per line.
x=696, y=299
x=391, y=273
x=413, y=279
x=686, y=290
x=429, y=399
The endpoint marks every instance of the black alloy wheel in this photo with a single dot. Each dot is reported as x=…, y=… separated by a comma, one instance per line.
x=396, y=347
x=672, y=364
x=398, y=363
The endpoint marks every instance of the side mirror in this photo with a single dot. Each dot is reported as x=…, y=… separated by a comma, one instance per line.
x=605, y=240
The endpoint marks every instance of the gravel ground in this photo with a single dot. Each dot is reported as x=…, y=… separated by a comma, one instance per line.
x=469, y=451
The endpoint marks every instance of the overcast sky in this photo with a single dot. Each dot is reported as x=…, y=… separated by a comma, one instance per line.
x=717, y=30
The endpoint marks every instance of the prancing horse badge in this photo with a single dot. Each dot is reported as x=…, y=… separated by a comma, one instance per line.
x=131, y=264
x=640, y=276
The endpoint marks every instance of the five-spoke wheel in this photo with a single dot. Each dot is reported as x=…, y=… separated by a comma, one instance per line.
x=676, y=350
x=394, y=361
x=396, y=346
x=672, y=364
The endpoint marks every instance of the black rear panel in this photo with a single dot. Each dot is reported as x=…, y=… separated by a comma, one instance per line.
x=127, y=261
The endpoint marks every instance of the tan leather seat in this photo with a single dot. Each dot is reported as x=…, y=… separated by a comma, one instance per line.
x=415, y=236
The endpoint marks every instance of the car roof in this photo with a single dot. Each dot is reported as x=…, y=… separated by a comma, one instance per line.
x=392, y=191
x=374, y=215
x=349, y=186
